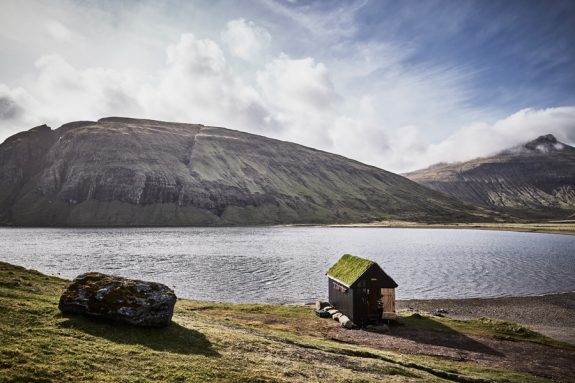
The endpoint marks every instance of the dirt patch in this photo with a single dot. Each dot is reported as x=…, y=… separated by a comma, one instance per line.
x=552, y=315
x=539, y=360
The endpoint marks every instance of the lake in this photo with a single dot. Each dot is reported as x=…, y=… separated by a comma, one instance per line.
x=288, y=264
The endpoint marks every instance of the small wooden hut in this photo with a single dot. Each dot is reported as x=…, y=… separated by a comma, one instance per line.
x=360, y=289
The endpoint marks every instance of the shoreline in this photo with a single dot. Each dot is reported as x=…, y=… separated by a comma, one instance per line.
x=552, y=314
x=427, y=301
x=567, y=228
x=553, y=227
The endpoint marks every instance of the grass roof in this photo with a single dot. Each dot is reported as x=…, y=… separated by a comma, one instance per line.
x=349, y=268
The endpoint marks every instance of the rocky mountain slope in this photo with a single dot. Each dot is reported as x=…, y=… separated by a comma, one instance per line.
x=129, y=172
x=534, y=180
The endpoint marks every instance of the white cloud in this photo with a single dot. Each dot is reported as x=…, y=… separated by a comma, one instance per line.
x=65, y=93
x=13, y=107
x=324, y=20
x=245, y=39
x=297, y=85
x=197, y=86
x=58, y=30
x=292, y=99
x=301, y=95
x=196, y=56
x=482, y=139
x=405, y=149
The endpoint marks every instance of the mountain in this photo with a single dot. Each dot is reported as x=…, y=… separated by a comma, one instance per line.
x=133, y=172
x=534, y=180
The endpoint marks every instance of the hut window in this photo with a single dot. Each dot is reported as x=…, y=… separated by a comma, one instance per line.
x=374, y=279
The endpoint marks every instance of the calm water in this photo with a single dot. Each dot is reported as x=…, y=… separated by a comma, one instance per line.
x=287, y=265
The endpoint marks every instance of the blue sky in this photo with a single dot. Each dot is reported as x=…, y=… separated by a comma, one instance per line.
x=522, y=53
x=397, y=84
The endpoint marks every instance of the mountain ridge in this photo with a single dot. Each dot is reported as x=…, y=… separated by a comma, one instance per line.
x=534, y=180
x=133, y=172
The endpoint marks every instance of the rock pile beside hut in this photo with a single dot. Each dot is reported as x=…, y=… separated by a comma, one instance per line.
x=325, y=310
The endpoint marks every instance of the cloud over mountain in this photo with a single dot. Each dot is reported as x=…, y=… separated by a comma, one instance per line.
x=336, y=81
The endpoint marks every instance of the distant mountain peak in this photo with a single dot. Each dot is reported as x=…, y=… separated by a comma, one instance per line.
x=546, y=138
x=544, y=143
x=531, y=180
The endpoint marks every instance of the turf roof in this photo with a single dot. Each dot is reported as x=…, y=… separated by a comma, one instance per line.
x=349, y=268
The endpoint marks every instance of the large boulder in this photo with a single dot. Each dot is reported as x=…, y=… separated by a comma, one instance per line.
x=135, y=302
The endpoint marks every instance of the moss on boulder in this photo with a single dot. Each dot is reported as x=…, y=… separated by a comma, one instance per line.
x=135, y=302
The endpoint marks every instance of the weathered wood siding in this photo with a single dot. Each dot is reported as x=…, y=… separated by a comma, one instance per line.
x=388, y=297
x=341, y=298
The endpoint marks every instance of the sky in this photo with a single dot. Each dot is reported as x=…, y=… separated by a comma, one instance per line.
x=396, y=84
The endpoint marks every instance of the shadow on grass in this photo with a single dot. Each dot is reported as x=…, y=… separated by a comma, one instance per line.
x=426, y=330
x=173, y=338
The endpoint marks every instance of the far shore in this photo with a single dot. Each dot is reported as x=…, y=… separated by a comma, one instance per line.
x=552, y=227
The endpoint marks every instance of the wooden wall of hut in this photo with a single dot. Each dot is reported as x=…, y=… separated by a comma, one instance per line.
x=342, y=298
x=388, y=297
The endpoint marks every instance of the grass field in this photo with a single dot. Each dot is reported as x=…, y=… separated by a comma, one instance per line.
x=209, y=342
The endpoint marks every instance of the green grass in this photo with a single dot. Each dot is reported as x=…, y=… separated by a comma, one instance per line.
x=206, y=342
x=348, y=268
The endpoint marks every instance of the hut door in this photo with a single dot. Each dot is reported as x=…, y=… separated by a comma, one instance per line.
x=388, y=303
x=373, y=298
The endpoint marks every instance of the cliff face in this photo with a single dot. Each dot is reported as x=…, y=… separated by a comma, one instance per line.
x=534, y=180
x=21, y=156
x=120, y=171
